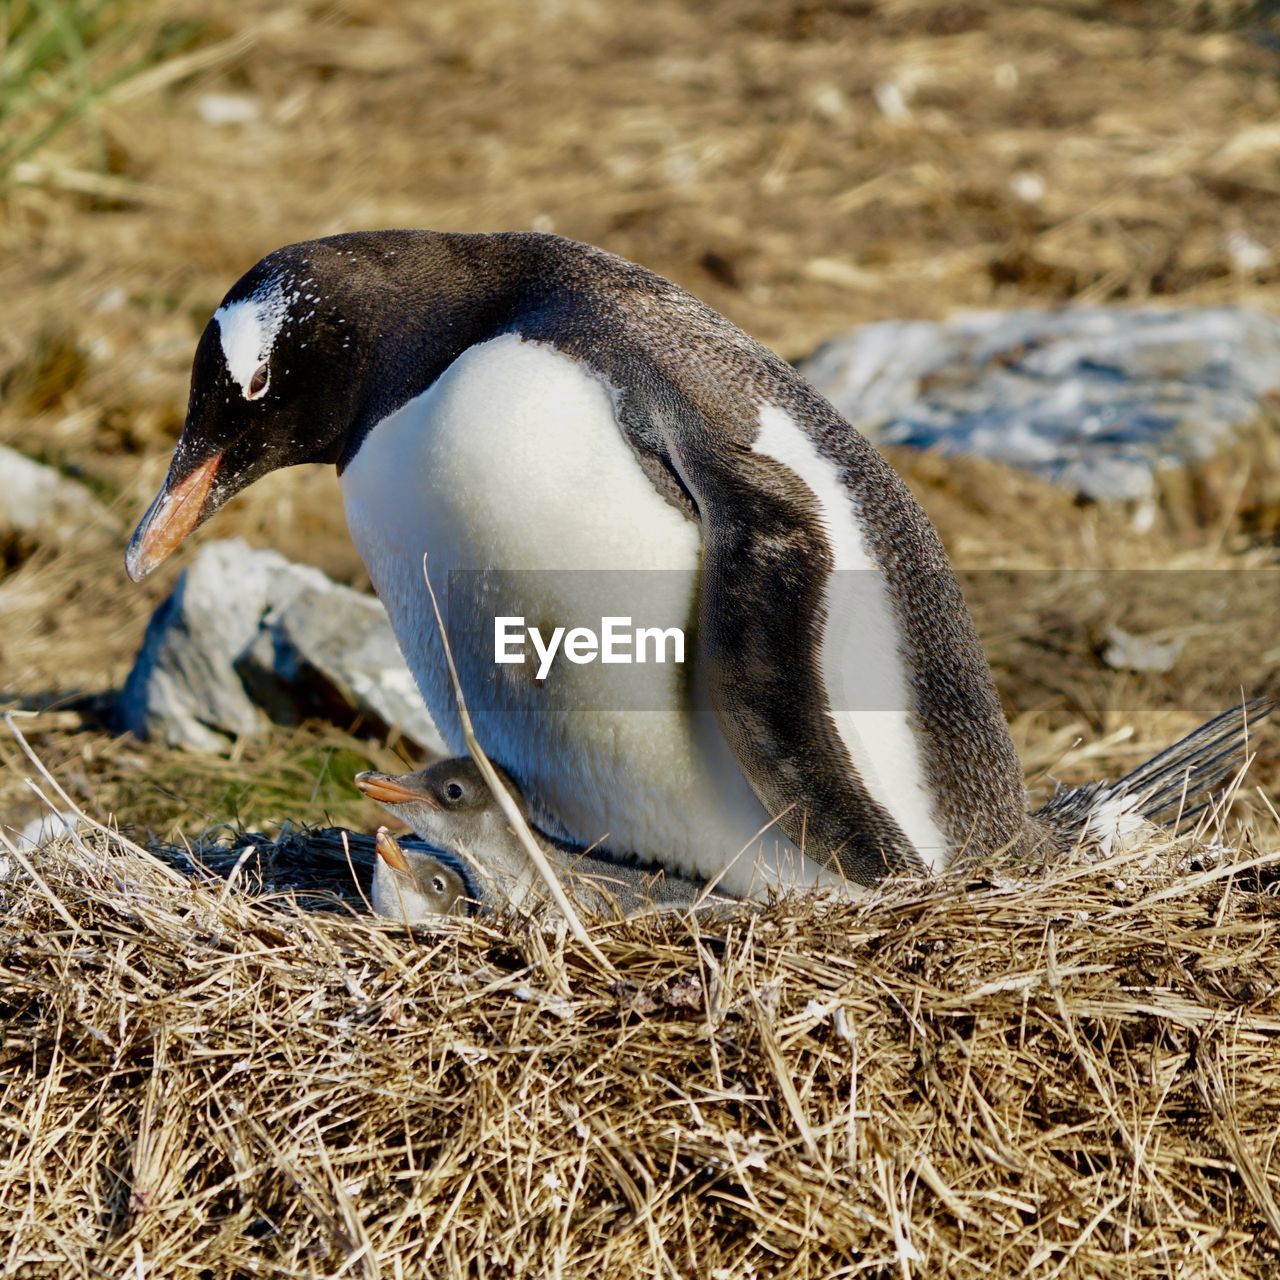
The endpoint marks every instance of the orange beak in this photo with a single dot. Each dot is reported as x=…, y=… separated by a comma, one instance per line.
x=385, y=789
x=174, y=513
x=390, y=852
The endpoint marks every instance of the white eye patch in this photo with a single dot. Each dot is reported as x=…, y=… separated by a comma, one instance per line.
x=248, y=331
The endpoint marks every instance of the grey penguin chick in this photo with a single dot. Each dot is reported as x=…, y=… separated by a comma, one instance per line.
x=413, y=885
x=450, y=805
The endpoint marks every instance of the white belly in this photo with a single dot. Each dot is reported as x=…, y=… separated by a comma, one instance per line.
x=513, y=460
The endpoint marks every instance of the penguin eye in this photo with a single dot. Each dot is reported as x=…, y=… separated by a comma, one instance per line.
x=437, y=883
x=453, y=790
x=258, y=383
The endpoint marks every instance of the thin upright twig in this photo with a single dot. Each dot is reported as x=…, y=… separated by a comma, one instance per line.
x=510, y=810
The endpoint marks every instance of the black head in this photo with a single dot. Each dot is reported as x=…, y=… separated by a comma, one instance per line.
x=275, y=380
x=310, y=348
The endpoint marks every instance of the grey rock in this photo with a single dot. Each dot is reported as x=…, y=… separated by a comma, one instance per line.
x=1126, y=652
x=1093, y=398
x=43, y=504
x=248, y=634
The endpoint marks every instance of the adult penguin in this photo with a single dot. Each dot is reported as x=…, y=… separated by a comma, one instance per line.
x=523, y=402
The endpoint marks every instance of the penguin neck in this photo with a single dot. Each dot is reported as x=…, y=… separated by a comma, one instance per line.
x=441, y=294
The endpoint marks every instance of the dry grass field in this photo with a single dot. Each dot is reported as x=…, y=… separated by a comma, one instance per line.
x=1068, y=1077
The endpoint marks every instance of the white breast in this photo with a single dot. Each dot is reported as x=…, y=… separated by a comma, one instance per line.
x=514, y=460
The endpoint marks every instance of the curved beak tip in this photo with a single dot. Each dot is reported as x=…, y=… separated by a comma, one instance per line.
x=177, y=509
x=387, y=790
x=136, y=564
x=389, y=850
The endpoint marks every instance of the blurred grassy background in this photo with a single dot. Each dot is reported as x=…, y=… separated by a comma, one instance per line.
x=802, y=165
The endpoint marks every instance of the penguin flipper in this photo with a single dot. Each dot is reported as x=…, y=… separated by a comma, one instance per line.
x=770, y=699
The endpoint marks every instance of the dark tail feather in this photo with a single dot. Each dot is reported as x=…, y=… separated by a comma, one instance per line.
x=1172, y=787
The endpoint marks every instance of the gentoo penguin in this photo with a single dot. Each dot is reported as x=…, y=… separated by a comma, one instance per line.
x=526, y=405
x=412, y=885
x=450, y=806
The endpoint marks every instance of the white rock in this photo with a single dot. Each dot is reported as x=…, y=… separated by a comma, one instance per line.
x=1248, y=257
x=43, y=503
x=247, y=632
x=110, y=301
x=1125, y=652
x=891, y=100
x=48, y=826
x=224, y=109
x=1094, y=398
x=1028, y=187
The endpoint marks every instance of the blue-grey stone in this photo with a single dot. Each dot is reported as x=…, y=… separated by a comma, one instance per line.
x=1095, y=398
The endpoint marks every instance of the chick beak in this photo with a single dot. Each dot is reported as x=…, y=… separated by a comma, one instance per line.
x=177, y=510
x=390, y=852
x=385, y=789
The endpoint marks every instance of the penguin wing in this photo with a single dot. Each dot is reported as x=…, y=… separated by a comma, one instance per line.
x=767, y=568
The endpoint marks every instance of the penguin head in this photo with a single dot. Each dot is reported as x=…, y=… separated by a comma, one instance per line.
x=448, y=799
x=458, y=787
x=450, y=804
x=273, y=383
x=414, y=884
x=311, y=347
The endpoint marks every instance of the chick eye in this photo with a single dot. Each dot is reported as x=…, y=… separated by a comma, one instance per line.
x=438, y=884
x=454, y=790
x=258, y=383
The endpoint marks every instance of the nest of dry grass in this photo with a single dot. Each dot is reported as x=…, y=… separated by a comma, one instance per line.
x=1069, y=1077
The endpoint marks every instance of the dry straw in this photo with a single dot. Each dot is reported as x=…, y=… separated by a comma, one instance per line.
x=1071, y=1076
